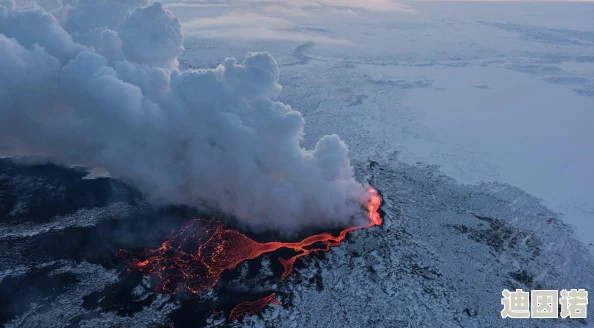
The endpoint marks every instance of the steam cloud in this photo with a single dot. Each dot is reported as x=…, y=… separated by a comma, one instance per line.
x=97, y=83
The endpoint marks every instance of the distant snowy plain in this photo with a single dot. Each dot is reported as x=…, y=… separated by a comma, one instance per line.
x=486, y=91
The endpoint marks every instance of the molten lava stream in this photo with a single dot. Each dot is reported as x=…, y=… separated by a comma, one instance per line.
x=202, y=250
x=251, y=307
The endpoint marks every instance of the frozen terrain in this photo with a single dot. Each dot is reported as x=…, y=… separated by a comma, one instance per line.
x=441, y=259
x=474, y=120
x=487, y=91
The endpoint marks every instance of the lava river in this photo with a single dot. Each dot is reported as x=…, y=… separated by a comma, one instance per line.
x=195, y=257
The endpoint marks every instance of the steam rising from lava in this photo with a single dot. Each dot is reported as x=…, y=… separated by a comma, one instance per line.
x=97, y=83
x=195, y=257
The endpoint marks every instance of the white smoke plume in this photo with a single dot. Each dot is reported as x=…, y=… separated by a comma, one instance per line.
x=97, y=83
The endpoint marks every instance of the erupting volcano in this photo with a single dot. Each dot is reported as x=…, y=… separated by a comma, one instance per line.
x=195, y=257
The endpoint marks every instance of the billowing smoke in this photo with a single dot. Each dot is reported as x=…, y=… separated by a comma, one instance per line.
x=97, y=83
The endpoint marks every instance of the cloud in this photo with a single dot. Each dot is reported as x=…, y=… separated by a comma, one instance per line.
x=194, y=5
x=146, y=28
x=262, y=33
x=248, y=25
x=34, y=26
x=343, y=12
x=286, y=11
x=369, y=5
x=88, y=90
x=302, y=7
x=236, y=20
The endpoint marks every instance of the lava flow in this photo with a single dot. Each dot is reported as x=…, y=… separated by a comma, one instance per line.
x=199, y=253
x=252, y=307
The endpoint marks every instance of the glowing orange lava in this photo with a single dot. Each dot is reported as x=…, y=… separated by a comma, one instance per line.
x=251, y=307
x=196, y=256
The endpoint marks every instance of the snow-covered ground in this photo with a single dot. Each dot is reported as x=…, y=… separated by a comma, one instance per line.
x=422, y=93
x=487, y=91
x=441, y=259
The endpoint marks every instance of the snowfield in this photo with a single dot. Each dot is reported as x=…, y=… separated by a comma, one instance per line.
x=442, y=258
x=475, y=121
